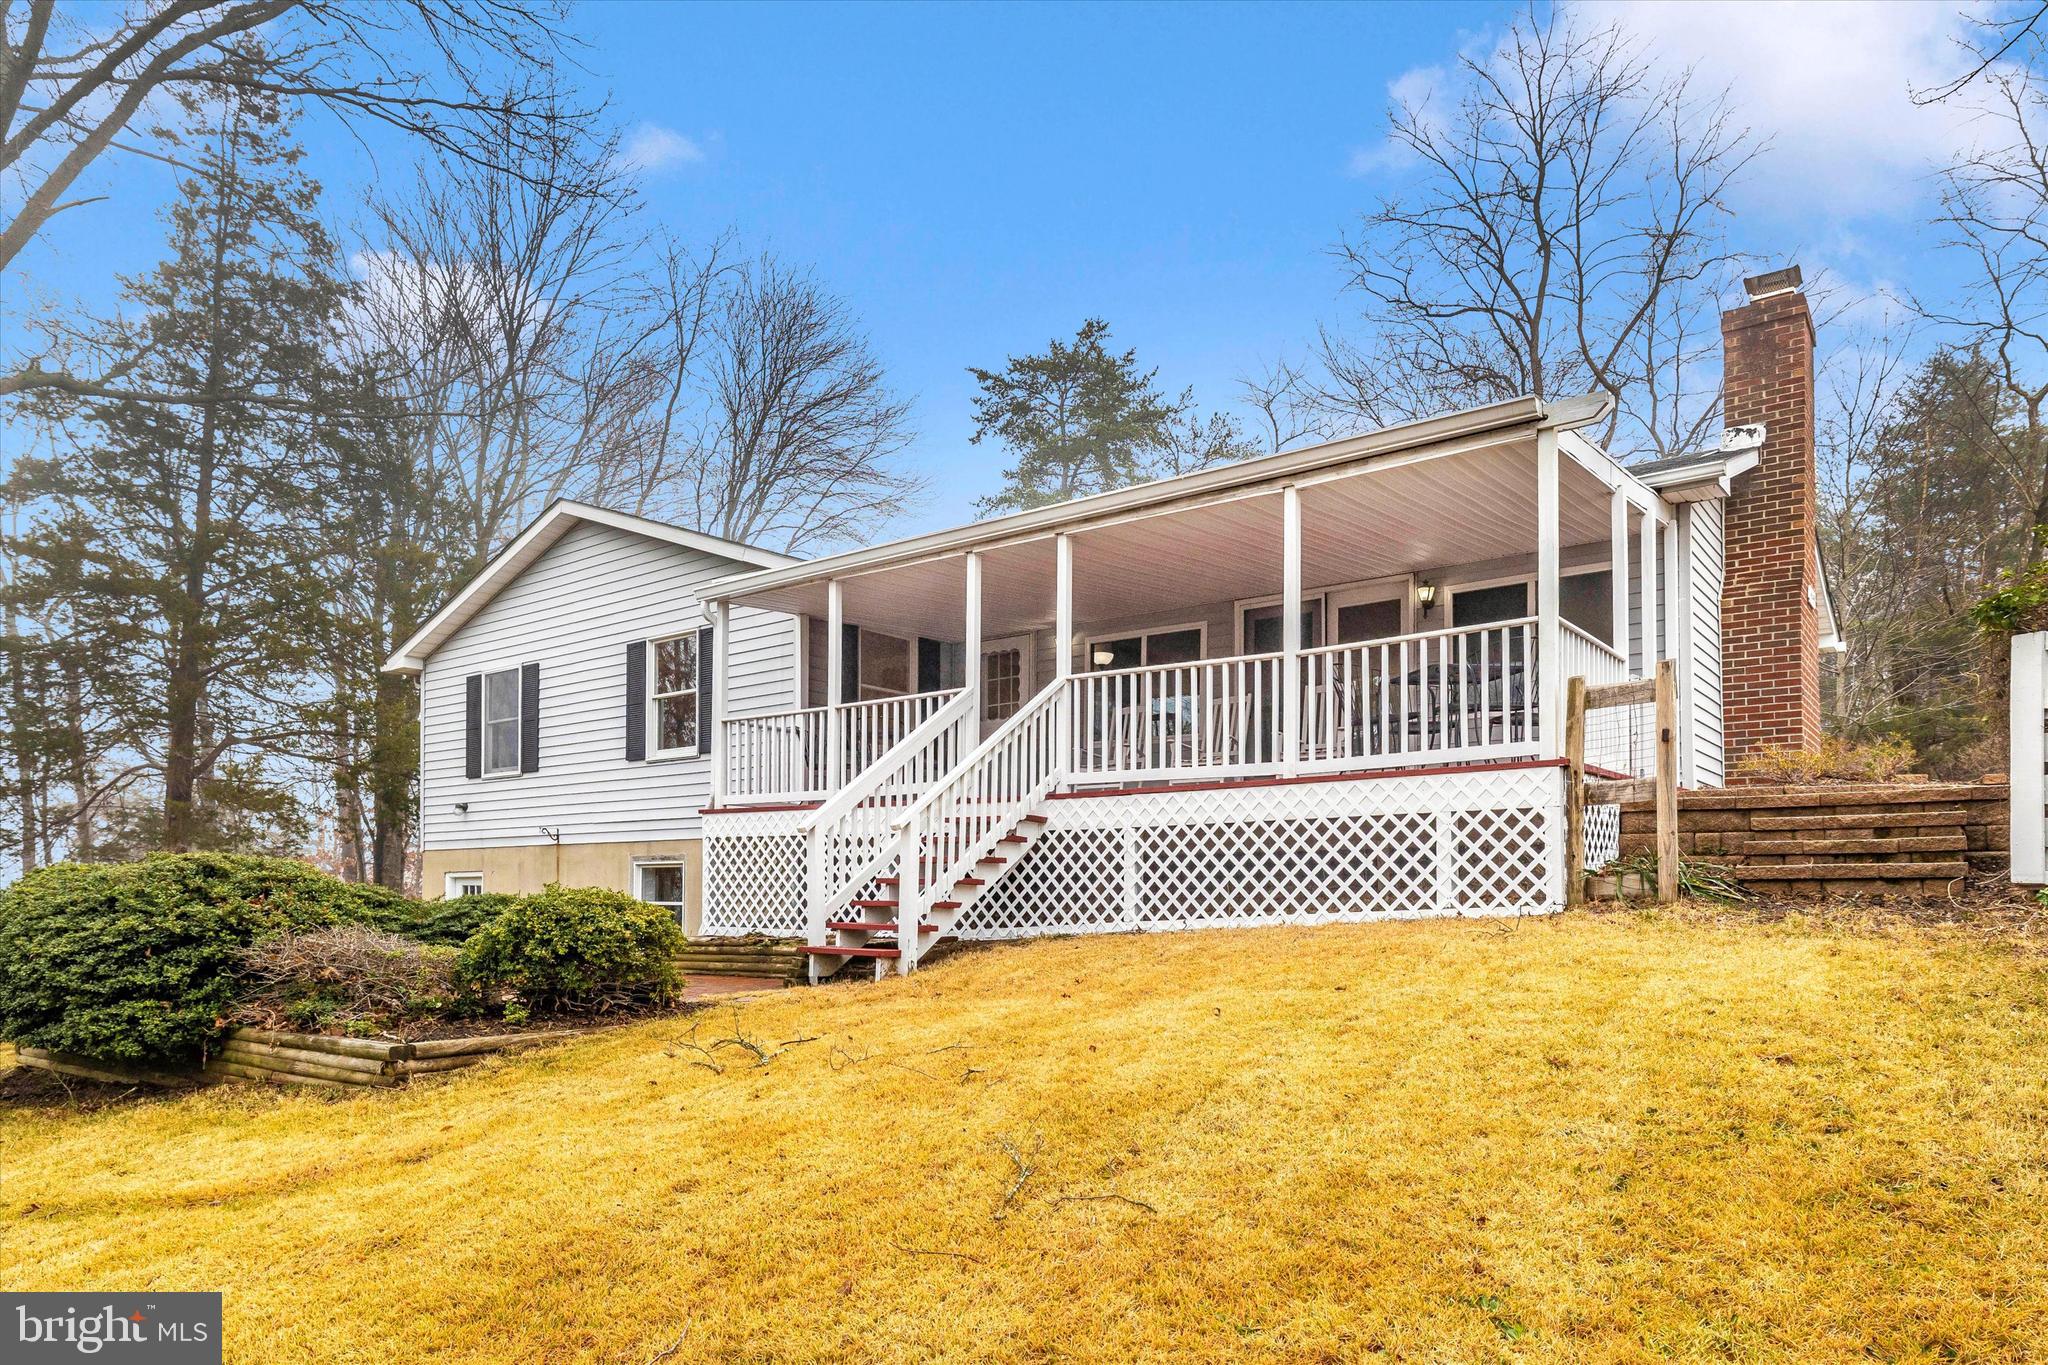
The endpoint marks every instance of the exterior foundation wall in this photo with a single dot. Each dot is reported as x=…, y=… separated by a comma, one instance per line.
x=523, y=868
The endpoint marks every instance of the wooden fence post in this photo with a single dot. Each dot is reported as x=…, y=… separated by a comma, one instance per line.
x=1574, y=791
x=1667, y=781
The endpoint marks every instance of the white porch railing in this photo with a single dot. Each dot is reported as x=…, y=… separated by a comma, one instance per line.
x=1460, y=695
x=777, y=757
x=1469, y=694
x=786, y=755
x=847, y=839
x=1211, y=718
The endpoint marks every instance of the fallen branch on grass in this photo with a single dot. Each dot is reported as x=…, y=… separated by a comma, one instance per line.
x=1023, y=1169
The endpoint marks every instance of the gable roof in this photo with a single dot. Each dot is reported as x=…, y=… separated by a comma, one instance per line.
x=554, y=522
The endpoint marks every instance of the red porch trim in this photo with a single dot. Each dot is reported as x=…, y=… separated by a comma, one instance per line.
x=1354, y=775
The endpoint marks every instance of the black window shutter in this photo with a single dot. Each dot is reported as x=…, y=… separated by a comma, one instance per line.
x=849, y=664
x=473, y=726
x=931, y=667
x=636, y=701
x=707, y=705
x=529, y=718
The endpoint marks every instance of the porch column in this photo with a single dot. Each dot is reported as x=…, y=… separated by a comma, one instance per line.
x=835, y=668
x=721, y=660
x=970, y=667
x=1063, y=644
x=1648, y=593
x=1550, y=691
x=1617, y=558
x=1290, y=630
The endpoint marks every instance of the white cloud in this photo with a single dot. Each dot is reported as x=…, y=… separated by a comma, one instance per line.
x=1828, y=83
x=1412, y=89
x=651, y=147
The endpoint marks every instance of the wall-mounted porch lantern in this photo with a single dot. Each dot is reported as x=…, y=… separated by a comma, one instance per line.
x=1425, y=596
x=1104, y=657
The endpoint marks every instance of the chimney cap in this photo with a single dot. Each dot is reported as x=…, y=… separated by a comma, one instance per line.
x=1773, y=283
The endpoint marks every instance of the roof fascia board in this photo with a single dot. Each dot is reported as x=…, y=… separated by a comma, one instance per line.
x=1247, y=479
x=542, y=531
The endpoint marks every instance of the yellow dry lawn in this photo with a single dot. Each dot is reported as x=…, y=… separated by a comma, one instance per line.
x=1585, y=1139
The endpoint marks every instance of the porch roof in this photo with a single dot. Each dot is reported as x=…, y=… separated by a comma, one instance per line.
x=1459, y=489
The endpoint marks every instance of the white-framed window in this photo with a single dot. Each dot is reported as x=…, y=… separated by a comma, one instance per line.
x=660, y=882
x=501, y=722
x=1144, y=648
x=462, y=884
x=672, y=700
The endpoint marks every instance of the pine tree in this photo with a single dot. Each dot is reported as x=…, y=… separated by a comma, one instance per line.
x=174, y=534
x=1079, y=420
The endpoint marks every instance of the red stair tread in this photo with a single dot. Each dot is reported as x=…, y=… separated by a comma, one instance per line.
x=873, y=927
x=830, y=950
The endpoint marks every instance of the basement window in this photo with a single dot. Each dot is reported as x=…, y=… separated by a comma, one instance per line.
x=660, y=884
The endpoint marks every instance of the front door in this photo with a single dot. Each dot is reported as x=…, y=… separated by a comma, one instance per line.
x=1005, y=680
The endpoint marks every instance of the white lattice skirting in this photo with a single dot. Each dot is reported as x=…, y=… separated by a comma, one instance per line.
x=1485, y=842
x=1480, y=843
x=754, y=873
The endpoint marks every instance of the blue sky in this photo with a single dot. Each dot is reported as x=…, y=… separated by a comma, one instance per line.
x=975, y=180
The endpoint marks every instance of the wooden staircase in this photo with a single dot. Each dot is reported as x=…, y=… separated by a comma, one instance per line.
x=870, y=930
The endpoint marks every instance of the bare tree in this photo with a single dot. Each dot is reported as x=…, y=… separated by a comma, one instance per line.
x=74, y=86
x=1283, y=393
x=1565, y=237
x=514, y=294
x=1995, y=213
x=799, y=432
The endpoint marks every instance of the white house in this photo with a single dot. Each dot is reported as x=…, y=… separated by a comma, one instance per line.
x=560, y=696
x=1324, y=684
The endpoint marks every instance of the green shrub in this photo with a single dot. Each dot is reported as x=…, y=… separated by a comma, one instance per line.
x=137, y=962
x=445, y=923
x=573, y=945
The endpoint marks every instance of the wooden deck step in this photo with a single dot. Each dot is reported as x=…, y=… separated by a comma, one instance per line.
x=1032, y=819
x=872, y=905
x=874, y=926
x=972, y=881
x=1013, y=839
x=834, y=950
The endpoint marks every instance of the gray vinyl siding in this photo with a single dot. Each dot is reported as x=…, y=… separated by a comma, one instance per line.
x=572, y=611
x=1704, y=560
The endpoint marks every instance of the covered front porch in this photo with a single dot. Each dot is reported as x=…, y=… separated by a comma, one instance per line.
x=1362, y=619
x=1322, y=684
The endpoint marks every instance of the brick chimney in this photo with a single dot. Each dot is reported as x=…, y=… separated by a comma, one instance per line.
x=1770, y=600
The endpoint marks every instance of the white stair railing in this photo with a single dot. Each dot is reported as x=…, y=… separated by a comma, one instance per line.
x=846, y=840
x=960, y=820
